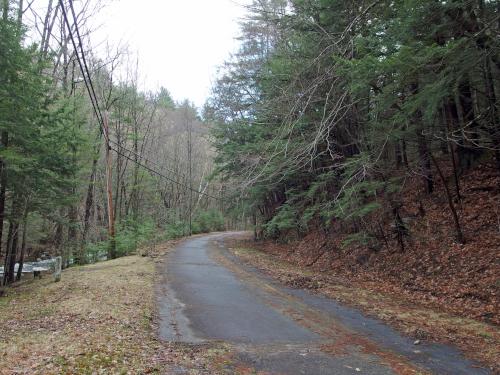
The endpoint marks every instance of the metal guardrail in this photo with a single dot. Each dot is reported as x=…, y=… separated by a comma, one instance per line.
x=31, y=267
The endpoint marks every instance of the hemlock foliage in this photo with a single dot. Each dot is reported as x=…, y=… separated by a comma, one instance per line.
x=53, y=191
x=331, y=105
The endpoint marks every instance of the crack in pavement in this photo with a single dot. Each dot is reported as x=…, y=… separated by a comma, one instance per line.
x=208, y=295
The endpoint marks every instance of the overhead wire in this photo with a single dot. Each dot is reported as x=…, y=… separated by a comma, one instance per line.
x=85, y=79
x=140, y=156
x=75, y=23
x=159, y=174
x=93, y=98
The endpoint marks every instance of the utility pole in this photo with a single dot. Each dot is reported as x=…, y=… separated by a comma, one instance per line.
x=109, y=190
x=190, y=174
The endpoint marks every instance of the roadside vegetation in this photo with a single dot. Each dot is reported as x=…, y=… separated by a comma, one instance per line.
x=99, y=319
x=363, y=141
x=332, y=111
x=359, y=140
x=61, y=192
x=413, y=317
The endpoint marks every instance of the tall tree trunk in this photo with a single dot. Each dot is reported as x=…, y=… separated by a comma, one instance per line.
x=58, y=235
x=422, y=146
x=135, y=189
x=190, y=170
x=494, y=123
x=13, y=252
x=6, y=268
x=3, y=186
x=20, y=13
x=5, y=9
x=89, y=204
x=81, y=257
x=467, y=151
x=424, y=160
x=118, y=170
x=458, y=230
x=23, y=245
x=44, y=44
x=12, y=240
x=109, y=194
x=72, y=234
x=451, y=123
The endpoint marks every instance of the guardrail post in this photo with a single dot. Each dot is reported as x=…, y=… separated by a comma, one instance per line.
x=57, y=269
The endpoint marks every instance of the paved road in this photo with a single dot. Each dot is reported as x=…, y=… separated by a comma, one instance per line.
x=207, y=295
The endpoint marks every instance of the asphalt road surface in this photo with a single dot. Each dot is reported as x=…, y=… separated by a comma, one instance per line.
x=207, y=295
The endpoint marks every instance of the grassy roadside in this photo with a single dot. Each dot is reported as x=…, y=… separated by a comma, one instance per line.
x=98, y=320
x=478, y=340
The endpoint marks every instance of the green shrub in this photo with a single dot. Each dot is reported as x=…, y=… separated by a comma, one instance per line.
x=208, y=221
x=96, y=251
x=284, y=220
x=129, y=236
x=175, y=230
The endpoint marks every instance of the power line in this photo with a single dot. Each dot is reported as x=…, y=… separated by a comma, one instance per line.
x=159, y=174
x=140, y=156
x=95, y=104
x=75, y=22
x=93, y=98
x=155, y=171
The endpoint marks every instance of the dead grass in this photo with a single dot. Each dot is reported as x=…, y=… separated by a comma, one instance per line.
x=98, y=320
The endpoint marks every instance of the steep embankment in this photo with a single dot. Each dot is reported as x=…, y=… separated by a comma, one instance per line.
x=434, y=268
x=435, y=289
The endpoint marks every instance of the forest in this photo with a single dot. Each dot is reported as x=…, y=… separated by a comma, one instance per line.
x=326, y=117
x=350, y=149
x=364, y=139
x=53, y=194
x=330, y=107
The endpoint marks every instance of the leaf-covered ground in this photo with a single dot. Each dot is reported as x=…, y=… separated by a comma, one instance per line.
x=98, y=320
x=435, y=288
x=479, y=340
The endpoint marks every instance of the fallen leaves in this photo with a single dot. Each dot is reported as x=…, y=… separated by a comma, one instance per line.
x=458, y=282
x=479, y=340
x=98, y=320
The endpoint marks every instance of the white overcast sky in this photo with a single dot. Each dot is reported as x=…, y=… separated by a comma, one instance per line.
x=179, y=43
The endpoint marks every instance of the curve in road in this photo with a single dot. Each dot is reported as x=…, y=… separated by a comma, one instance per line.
x=207, y=295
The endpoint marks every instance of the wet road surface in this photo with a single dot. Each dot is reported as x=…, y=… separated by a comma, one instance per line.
x=207, y=295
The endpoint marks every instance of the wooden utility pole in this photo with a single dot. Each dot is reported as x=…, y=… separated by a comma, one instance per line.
x=109, y=190
x=187, y=123
x=190, y=150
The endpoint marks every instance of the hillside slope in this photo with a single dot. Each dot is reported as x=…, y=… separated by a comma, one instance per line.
x=433, y=268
